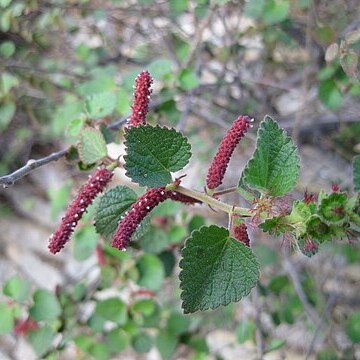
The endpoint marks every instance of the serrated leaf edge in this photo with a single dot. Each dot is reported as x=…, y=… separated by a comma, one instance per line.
x=79, y=145
x=285, y=135
x=180, y=274
x=160, y=127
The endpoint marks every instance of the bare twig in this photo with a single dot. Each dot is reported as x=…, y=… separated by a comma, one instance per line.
x=290, y=269
x=331, y=302
x=305, y=79
x=260, y=344
x=31, y=165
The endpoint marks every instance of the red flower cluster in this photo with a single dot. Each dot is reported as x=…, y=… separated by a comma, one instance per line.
x=241, y=234
x=22, y=327
x=227, y=146
x=309, y=197
x=140, y=209
x=142, y=93
x=76, y=209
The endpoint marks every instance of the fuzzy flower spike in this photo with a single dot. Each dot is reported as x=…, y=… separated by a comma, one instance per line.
x=95, y=185
x=142, y=94
x=227, y=146
x=137, y=212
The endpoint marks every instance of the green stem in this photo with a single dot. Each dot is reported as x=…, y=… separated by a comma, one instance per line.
x=214, y=203
x=225, y=191
x=112, y=166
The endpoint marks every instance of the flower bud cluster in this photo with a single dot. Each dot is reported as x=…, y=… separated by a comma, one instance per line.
x=227, y=146
x=241, y=234
x=142, y=94
x=76, y=209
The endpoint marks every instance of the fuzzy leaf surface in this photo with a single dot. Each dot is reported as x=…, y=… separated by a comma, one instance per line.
x=153, y=153
x=216, y=270
x=274, y=167
x=112, y=206
x=91, y=146
x=356, y=172
x=100, y=104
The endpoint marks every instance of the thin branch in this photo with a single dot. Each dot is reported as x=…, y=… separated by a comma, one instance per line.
x=290, y=269
x=305, y=79
x=260, y=344
x=30, y=166
x=225, y=191
x=330, y=303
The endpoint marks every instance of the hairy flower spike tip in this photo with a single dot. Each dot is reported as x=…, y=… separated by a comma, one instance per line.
x=227, y=146
x=76, y=209
x=137, y=212
x=241, y=234
x=142, y=94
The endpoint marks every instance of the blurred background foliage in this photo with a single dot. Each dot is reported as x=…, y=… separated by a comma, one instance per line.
x=66, y=63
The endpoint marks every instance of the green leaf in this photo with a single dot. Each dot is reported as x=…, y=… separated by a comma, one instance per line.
x=116, y=340
x=144, y=307
x=6, y=319
x=85, y=241
x=7, y=111
x=46, y=306
x=274, y=167
x=112, y=206
x=151, y=271
x=8, y=81
x=274, y=226
x=112, y=309
x=7, y=49
x=153, y=153
x=123, y=103
x=275, y=11
x=356, y=173
x=245, y=331
x=332, y=209
x=178, y=6
x=330, y=95
x=216, y=270
x=254, y=8
x=353, y=327
x=41, y=340
x=275, y=344
x=166, y=344
x=17, y=288
x=75, y=126
x=177, y=324
x=188, y=79
x=99, y=351
x=5, y=3
x=92, y=146
x=142, y=342
x=317, y=229
x=154, y=241
x=100, y=105
x=160, y=68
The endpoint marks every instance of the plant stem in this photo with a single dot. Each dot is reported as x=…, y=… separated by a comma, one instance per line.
x=225, y=191
x=217, y=204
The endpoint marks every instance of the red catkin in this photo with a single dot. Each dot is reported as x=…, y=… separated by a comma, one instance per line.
x=142, y=94
x=227, y=146
x=137, y=212
x=95, y=185
x=241, y=234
